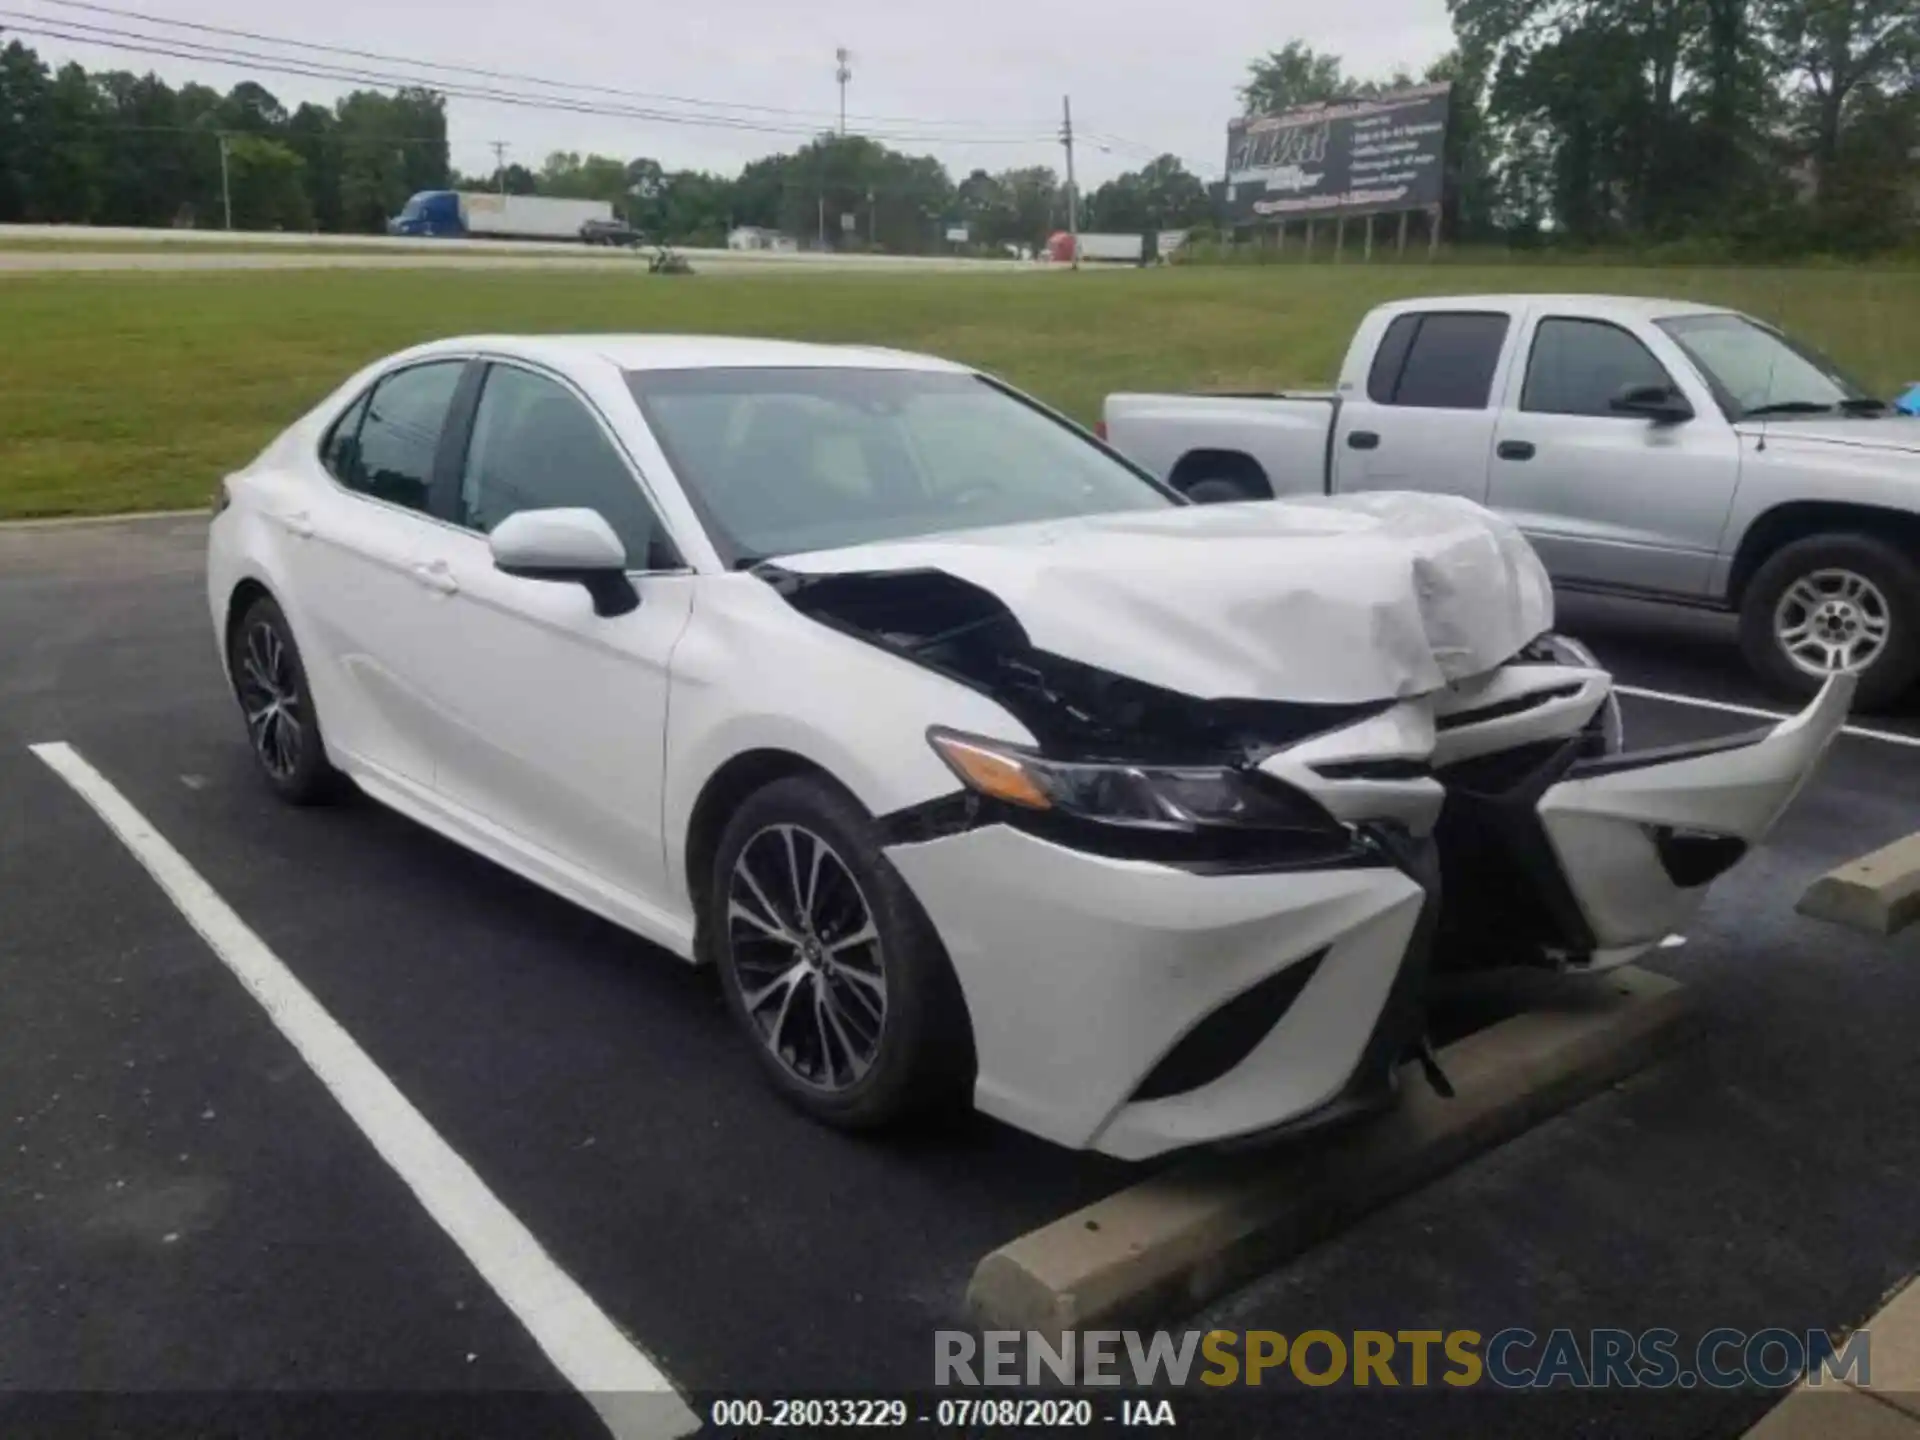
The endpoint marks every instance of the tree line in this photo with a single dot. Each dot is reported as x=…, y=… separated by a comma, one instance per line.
x=118, y=148
x=1769, y=126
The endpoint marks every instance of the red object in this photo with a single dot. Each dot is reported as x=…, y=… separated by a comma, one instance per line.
x=1060, y=247
x=1100, y=428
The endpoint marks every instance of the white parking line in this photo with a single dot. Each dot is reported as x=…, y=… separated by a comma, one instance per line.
x=632, y=1395
x=1859, y=731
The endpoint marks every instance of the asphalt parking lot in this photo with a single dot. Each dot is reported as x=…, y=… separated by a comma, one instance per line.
x=185, y=1210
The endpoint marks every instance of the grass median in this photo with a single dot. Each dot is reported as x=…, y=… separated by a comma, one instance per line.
x=137, y=391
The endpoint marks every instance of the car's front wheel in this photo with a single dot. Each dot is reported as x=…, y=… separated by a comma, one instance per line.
x=1833, y=603
x=283, y=726
x=829, y=964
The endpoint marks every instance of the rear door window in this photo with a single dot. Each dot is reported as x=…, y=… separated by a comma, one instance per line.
x=1438, y=360
x=391, y=458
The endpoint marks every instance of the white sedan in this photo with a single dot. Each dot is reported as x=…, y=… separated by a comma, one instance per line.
x=983, y=766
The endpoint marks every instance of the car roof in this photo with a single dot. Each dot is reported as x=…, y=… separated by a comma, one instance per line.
x=684, y=352
x=1648, y=307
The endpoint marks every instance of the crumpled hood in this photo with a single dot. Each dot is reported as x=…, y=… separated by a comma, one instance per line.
x=1336, y=600
x=1900, y=433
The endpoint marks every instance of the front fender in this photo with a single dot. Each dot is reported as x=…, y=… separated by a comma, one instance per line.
x=751, y=673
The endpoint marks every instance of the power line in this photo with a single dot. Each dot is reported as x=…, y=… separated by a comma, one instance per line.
x=520, y=77
x=113, y=39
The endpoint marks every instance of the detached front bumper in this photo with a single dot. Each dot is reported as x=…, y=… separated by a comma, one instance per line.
x=1134, y=1008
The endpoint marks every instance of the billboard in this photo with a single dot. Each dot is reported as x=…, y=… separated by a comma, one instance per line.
x=1348, y=157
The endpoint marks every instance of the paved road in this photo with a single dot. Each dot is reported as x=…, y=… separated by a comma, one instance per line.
x=182, y=1205
x=61, y=248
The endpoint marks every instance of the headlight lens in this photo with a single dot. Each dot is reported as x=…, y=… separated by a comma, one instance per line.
x=1174, y=798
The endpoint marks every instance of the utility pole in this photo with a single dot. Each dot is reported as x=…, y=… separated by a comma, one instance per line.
x=843, y=72
x=499, y=165
x=1073, y=190
x=226, y=186
x=873, y=221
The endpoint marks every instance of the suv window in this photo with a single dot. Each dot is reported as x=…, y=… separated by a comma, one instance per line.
x=1438, y=360
x=390, y=456
x=1578, y=366
x=536, y=446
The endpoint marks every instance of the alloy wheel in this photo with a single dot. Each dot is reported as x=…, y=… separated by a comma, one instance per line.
x=270, y=697
x=1831, y=621
x=807, y=957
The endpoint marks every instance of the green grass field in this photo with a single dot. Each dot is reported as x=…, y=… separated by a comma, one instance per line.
x=130, y=392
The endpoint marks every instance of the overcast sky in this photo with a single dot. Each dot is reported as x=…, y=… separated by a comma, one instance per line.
x=1159, y=76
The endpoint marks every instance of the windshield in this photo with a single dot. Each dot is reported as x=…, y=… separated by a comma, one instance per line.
x=781, y=461
x=415, y=204
x=1754, y=369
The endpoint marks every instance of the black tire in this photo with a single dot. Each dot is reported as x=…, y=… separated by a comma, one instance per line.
x=922, y=1057
x=288, y=749
x=1891, y=674
x=1220, y=490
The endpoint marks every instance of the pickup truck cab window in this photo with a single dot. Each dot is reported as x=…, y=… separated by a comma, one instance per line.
x=1438, y=360
x=1577, y=367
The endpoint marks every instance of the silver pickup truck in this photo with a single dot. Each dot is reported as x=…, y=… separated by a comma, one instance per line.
x=1653, y=448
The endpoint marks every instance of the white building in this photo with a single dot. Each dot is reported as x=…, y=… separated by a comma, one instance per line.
x=758, y=237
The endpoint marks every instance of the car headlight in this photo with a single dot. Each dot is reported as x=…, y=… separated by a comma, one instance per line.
x=1564, y=650
x=1173, y=800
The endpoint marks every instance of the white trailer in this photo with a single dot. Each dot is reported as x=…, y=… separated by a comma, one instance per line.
x=1122, y=248
x=528, y=217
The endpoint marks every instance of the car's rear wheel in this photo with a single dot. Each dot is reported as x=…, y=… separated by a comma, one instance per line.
x=1834, y=603
x=283, y=727
x=829, y=964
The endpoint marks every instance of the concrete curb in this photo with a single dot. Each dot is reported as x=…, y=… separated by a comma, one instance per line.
x=1833, y=1412
x=61, y=522
x=1191, y=1233
x=1878, y=893
x=1887, y=1407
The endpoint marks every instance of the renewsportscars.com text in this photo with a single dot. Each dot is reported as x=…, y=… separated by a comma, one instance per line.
x=1512, y=1359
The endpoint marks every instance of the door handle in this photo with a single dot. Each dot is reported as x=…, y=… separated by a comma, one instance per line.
x=1514, y=449
x=435, y=576
x=300, y=522
x=1362, y=440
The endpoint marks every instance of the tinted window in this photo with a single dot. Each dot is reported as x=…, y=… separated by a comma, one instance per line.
x=536, y=446
x=788, y=460
x=1390, y=359
x=1449, y=364
x=1578, y=366
x=336, y=452
x=392, y=457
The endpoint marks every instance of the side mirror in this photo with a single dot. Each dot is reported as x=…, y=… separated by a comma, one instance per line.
x=575, y=546
x=1662, y=404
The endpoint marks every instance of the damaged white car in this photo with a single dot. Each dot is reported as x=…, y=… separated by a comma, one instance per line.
x=981, y=764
